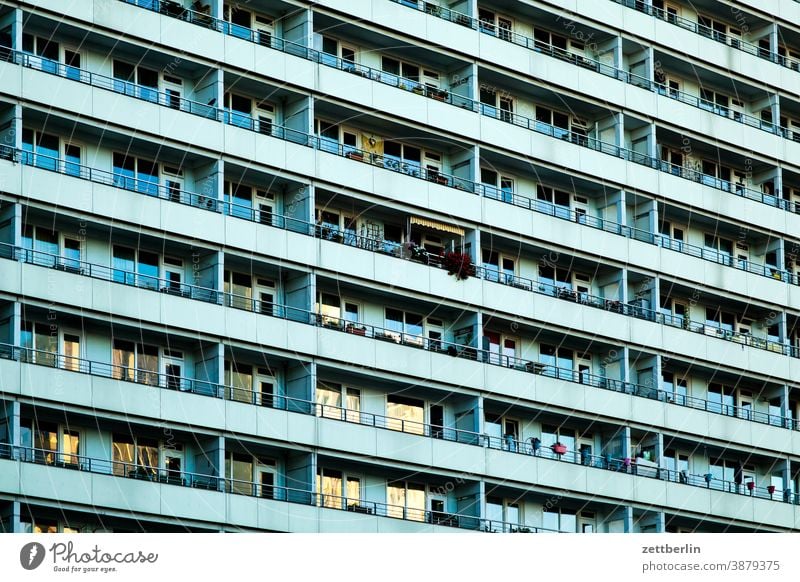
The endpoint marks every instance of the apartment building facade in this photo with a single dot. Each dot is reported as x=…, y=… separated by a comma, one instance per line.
x=399, y=265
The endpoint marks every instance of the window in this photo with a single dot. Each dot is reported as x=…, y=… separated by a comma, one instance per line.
x=674, y=311
x=135, y=80
x=250, y=475
x=338, y=226
x=53, y=443
x=552, y=434
x=498, y=104
x=666, y=10
x=563, y=520
x=720, y=321
x=559, y=359
x=502, y=348
x=675, y=388
x=502, y=430
x=497, y=185
x=244, y=383
x=547, y=41
x=405, y=414
x=677, y=465
x=405, y=327
x=552, y=122
x=717, y=30
x=337, y=312
x=721, y=399
x=337, y=54
x=406, y=500
x=499, y=267
x=553, y=201
x=41, y=47
x=134, y=456
x=135, y=362
x=553, y=279
x=673, y=159
x=337, y=490
x=714, y=101
x=503, y=515
x=495, y=24
x=338, y=402
x=39, y=342
x=135, y=267
x=332, y=136
x=718, y=249
x=132, y=173
x=40, y=149
x=409, y=72
x=249, y=113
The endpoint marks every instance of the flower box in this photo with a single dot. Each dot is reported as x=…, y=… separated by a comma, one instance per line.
x=751, y=485
x=559, y=449
x=770, y=489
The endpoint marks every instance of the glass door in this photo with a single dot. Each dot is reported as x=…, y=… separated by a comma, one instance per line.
x=171, y=369
x=71, y=350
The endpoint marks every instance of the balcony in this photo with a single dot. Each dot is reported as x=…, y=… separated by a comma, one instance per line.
x=705, y=31
x=515, y=119
x=211, y=389
x=92, y=465
x=298, y=137
x=630, y=310
x=603, y=68
x=658, y=240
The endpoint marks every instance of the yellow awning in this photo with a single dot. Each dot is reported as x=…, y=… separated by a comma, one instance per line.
x=437, y=225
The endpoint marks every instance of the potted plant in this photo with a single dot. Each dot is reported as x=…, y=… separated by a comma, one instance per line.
x=458, y=264
x=559, y=448
x=751, y=485
x=770, y=489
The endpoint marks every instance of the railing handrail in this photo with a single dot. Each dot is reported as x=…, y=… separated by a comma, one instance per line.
x=657, y=239
x=598, y=145
x=510, y=444
x=602, y=68
x=296, y=136
x=166, y=476
x=316, y=229
x=569, y=293
x=203, y=387
x=707, y=32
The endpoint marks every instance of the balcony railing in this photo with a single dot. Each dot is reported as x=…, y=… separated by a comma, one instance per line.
x=732, y=41
x=464, y=102
x=401, y=250
x=660, y=240
x=142, y=472
x=241, y=120
x=568, y=293
x=529, y=447
x=208, y=295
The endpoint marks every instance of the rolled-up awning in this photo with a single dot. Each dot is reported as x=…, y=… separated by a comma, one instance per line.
x=437, y=225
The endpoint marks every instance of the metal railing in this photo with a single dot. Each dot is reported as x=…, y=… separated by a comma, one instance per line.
x=602, y=68
x=241, y=120
x=568, y=293
x=180, y=478
x=660, y=240
x=531, y=447
x=533, y=125
x=397, y=335
x=732, y=41
x=211, y=203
